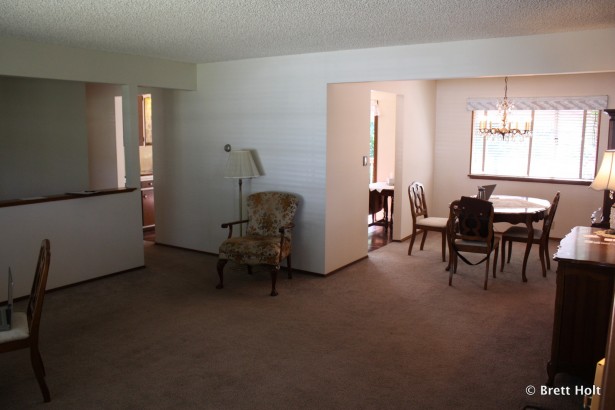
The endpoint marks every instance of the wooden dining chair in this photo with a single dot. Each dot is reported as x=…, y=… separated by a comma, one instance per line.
x=541, y=238
x=25, y=325
x=470, y=229
x=421, y=221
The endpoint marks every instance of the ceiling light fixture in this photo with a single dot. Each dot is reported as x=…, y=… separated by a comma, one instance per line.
x=506, y=128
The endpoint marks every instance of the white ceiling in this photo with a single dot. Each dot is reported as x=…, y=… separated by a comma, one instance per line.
x=202, y=31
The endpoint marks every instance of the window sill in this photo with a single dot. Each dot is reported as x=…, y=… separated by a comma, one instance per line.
x=531, y=179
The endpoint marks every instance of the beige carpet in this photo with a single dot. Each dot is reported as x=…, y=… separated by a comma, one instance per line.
x=385, y=333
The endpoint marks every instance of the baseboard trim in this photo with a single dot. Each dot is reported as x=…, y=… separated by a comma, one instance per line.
x=305, y=272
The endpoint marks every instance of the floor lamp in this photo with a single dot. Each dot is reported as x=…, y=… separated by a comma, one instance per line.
x=241, y=165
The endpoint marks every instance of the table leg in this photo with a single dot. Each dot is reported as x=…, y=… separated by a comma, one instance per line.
x=385, y=199
x=528, y=246
x=392, y=207
x=450, y=251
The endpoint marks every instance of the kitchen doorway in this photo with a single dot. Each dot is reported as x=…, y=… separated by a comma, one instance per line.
x=146, y=164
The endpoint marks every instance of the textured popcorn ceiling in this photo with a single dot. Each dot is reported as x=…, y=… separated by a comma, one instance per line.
x=217, y=30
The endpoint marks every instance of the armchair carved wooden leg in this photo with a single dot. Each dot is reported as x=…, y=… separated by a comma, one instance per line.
x=289, y=267
x=274, y=278
x=220, y=266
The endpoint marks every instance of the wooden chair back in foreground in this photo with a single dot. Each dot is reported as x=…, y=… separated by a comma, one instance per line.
x=541, y=238
x=268, y=236
x=470, y=230
x=25, y=325
x=421, y=221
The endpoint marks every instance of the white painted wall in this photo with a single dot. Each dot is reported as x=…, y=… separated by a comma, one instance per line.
x=37, y=60
x=43, y=144
x=277, y=110
x=101, y=135
x=409, y=112
x=277, y=106
x=347, y=177
x=414, y=151
x=91, y=236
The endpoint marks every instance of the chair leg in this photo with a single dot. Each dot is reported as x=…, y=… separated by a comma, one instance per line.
x=509, y=251
x=444, y=246
x=495, y=260
x=452, y=261
x=412, y=237
x=541, y=253
x=486, y=272
x=220, y=267
x=424, y=237
x=546, y=249
x=290, y=267
x=274, y=277
x=455, y=263
x=39, y=371
x=503, y=254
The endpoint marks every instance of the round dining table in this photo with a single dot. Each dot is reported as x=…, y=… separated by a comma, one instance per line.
x=520, y=210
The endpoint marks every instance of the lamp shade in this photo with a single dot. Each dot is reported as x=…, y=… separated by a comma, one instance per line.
x=240, y=164
x=605, y=178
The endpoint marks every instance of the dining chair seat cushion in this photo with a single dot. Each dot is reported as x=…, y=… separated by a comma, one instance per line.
x=253, y=250
x=462, y=244
x=520, y=232
x=19, y=328
x=432, y=222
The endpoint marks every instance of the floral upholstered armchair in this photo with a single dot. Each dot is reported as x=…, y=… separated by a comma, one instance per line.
x=268, y=236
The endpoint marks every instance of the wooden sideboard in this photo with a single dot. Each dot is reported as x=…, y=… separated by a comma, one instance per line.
x=583, y=303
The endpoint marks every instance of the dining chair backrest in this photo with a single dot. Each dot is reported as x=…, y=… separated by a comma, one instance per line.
x=24, y=332
x=472, y=219
x=418, y=204
x=548, y=221
x=470, y=230
x=37, y=293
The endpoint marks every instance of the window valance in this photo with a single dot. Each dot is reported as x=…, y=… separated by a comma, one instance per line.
x=596, y=102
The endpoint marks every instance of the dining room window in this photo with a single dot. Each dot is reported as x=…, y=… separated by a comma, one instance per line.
x=562, y=147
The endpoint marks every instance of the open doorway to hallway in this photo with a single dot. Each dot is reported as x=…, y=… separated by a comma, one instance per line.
x=147, y=166
x=382, y=168
x=377, y=237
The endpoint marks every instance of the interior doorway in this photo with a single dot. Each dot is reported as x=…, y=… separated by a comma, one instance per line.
x=146, y=163
x=347, y=161
x=382, y=168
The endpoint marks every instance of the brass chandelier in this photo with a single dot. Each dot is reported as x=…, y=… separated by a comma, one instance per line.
x=506, y=129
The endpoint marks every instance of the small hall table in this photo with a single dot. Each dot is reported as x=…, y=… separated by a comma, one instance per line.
x=387, y=191
x=520, y=210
